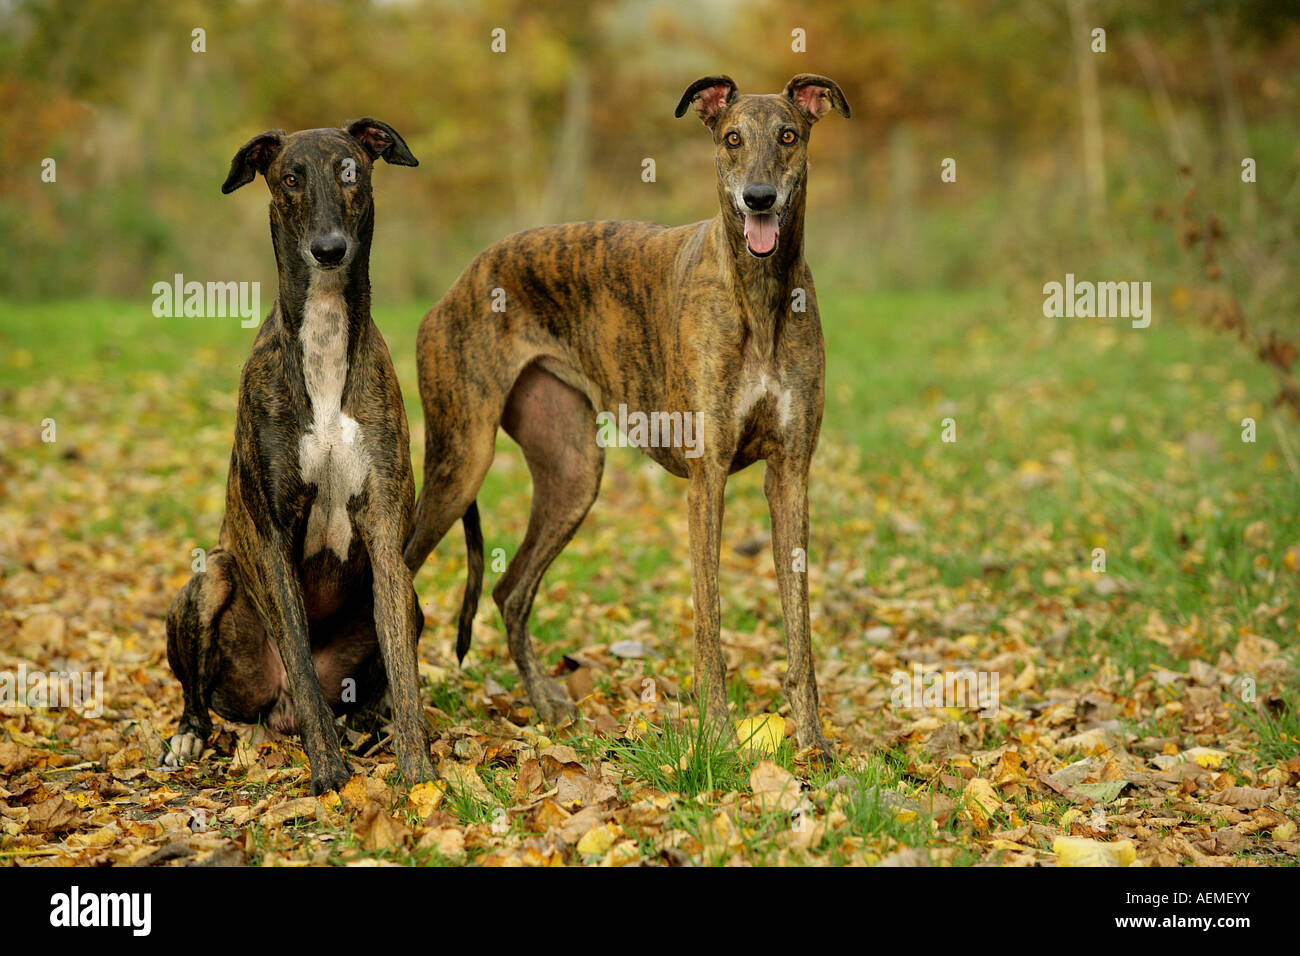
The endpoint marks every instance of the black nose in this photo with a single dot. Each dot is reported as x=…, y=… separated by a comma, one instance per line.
x=759, y=197
x=330, y=248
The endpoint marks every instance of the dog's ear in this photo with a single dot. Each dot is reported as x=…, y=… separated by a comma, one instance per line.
x=253, y=158
x=711, y=95
x=380, y=139
x=814, y=96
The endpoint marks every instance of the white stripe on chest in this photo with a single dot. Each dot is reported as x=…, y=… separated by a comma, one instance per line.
x=753, y=387
x=330, y=454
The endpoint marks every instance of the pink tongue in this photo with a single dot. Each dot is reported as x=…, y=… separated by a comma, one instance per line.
x=760, y=232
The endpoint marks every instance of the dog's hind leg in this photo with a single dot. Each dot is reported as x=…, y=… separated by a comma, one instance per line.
x=193, y=634
x=555, y=427
x=459, y=434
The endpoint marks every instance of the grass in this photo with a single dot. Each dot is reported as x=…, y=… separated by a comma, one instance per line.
x=1071, y=436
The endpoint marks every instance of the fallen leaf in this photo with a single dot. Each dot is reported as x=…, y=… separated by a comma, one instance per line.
x=1080, y=851
x=761, y=734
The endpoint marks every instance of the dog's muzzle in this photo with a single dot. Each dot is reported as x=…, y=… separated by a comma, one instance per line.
x=329, y=249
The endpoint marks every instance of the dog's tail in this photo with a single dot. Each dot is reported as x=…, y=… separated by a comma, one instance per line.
x=474, y=582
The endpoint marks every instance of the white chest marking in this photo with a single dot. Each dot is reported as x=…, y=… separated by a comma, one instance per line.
x=754, y=386
x=330, y=453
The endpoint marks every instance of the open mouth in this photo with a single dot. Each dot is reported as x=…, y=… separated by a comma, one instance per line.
x=762, y=230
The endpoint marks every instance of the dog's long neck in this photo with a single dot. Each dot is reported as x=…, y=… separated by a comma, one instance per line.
x=764, y=289
x=309, y=293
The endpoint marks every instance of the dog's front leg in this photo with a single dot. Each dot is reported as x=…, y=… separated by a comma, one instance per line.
x=705, y=504
x=786, y=486
x=273, y=584
x=398, y=632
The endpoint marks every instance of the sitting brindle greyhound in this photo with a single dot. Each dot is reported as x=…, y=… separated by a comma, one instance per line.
x=306, y=609
x=717, y=318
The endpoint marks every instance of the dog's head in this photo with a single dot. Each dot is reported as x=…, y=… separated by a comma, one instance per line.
x=761, y=145
x=319, y=179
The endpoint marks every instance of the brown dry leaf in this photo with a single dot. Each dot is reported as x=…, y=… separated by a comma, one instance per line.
x=581, y=683
x=46, y=630
x=466, y=780
x=574, y=827
x=560, y=753
x=448, y=842
x=550, y=814
x=578, y=786
x=774, y=787
x=379, y=831
x=160, y=797
x=1246, y=798
x=15, y=757
x=530, y=780
x=299, y=809
x=54, y=815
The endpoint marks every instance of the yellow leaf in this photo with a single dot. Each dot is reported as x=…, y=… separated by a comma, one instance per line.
x=981, y=802
x=1206, y=756
x=427, y=797
x=354, y=792
x=1284, y=832
x=622, y=854
x=763, y=733
x=599, y=839
x=106, y=836
x=1009, y=845
x=1078, y=851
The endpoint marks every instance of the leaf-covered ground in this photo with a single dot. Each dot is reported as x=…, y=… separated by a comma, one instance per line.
x=1148, y=711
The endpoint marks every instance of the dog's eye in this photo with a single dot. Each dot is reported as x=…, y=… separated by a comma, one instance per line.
x=732, y=139
x=291, y=180
x=788, y=137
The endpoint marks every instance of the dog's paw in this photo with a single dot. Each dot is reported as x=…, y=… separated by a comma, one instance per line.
x=822, y=751
x=417, y=769
x=553, y=705
x=331, y=778
x=179, y=749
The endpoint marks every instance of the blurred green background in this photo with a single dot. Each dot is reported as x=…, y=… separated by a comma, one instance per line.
x=1067, y=160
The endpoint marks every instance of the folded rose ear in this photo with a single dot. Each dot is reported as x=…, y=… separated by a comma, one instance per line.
x=815, y=96
x=711, y=95
x=253, y=158
x=380, y=139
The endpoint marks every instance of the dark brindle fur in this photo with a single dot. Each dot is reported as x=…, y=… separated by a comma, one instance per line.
x=307, y=590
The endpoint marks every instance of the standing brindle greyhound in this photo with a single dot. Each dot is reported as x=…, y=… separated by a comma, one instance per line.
x=306, y=609
x=702, y=318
